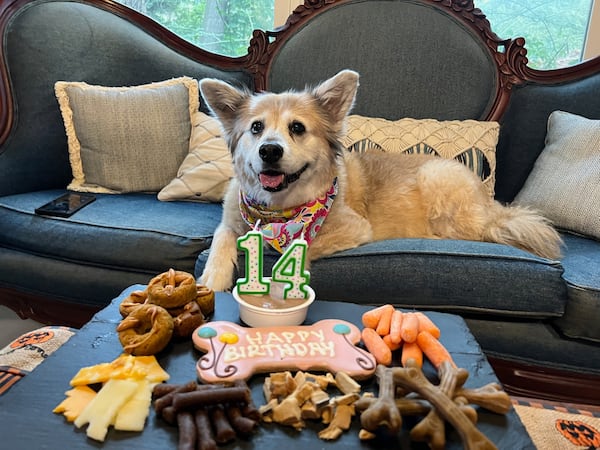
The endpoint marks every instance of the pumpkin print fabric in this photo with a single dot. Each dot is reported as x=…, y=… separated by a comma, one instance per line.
x=26, y=352
x=579, y=433
x=555, y=426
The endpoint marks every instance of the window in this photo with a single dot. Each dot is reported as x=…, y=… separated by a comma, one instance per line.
x=555, y=31
x=558, y=33
x=220, y=26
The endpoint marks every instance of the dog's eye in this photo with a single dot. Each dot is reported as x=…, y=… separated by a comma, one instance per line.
x=257, y=127
x=297, y=128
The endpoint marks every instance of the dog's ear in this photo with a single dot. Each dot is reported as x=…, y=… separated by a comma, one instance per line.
x=223, y=100
x=337, y=94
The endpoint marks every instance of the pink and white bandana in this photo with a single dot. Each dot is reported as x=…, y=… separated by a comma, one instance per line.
x=281, y=226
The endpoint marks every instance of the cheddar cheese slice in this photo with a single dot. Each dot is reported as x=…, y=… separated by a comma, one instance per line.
x=76, y=401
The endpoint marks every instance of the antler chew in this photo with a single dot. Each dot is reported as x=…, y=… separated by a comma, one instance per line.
x=383, y=411
x=412, y=378
x=432, y=428
x=491, y=397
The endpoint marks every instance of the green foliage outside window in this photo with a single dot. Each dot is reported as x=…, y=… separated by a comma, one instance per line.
x=554, y=30
x=220, y=26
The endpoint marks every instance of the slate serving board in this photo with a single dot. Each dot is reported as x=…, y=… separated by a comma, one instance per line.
x=27, y=421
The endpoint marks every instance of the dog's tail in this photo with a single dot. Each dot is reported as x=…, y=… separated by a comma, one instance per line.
x=523, y=228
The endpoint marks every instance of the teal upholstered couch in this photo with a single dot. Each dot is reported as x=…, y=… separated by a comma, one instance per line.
x=537, y=320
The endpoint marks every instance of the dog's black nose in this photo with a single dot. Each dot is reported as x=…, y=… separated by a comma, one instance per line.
x=270, y=153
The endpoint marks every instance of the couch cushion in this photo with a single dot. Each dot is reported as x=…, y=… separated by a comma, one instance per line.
x=531, y=104
x=563, y=184
x=95, y=46
x=205, y=172
x=129, y=231
x=127, y=139
x=471, y=142
x=581, y=262
x=447, y=275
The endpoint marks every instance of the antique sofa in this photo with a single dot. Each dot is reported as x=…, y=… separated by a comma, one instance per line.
x=538, y=320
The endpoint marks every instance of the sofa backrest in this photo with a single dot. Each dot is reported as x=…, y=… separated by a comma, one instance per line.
x=417, y=58
x=95, y=41
x=524, y=123
x=430, y=59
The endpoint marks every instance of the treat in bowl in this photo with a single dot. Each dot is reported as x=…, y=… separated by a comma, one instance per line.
x=283, y=298
x=259, y=310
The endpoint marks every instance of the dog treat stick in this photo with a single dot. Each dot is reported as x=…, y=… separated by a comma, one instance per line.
x=206, y=397
x=162, y=389
x=169, y=415
x=248, y=409
x=187, y=431
x=211, y=407
x=206, y=440
x=166, y=399
x=223, y=430
x=242, y=425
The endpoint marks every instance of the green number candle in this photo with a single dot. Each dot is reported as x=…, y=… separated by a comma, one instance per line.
x=291, y=269
x=254, y=283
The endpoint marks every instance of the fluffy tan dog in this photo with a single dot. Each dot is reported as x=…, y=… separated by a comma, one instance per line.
x=287, y=159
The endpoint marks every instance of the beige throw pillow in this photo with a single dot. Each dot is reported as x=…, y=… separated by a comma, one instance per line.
x=205, y=172
x=127, y=139
x=471, y=142
x=564, y=184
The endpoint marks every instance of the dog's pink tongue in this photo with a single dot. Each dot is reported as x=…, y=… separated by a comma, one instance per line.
x=271, y=181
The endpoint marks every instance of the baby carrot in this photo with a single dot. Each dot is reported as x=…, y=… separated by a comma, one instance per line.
x=410, y=327
x=426, y=324
x=385, y=321
x=396, y=327
x=376, y=346
x=392, y=345
x=411, y=350
x=433, y=349
x=370, y=319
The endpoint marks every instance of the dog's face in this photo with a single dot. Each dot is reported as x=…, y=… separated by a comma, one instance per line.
x=284, y=146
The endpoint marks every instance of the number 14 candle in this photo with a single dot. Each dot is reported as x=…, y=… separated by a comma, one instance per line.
x=289, y=269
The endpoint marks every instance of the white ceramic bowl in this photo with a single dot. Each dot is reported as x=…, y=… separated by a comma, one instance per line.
x=257, y=316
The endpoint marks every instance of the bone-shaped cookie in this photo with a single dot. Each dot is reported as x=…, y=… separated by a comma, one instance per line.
x=234, y=352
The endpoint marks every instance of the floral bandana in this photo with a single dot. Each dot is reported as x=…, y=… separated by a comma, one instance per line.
x=280, y=227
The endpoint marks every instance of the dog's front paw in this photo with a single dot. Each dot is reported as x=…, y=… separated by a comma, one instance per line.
x=219, y=280
x=222, y=258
